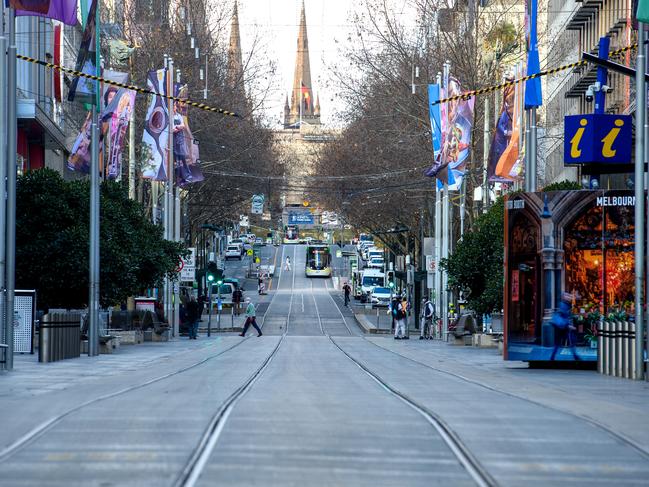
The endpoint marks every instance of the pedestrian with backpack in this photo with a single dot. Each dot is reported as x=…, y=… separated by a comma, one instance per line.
x=398, y=311
x=427, y=331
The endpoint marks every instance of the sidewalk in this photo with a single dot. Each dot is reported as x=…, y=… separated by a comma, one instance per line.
x=619, y=404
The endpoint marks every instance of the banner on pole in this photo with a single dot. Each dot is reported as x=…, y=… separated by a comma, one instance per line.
x=156, y=129
x=83, y=89
x=186, y=151
x=502, y=135
x=62, y=10
x=257, y=204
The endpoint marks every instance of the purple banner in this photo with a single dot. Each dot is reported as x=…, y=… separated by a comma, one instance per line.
x=63, y=10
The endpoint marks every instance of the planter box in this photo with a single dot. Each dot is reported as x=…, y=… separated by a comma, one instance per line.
x=132, y=337
x=161, y=337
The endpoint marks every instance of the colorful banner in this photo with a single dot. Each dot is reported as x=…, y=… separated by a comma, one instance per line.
x=510, y=164
x=156, y=129
x=186, y=154
x=502, y=135
x=116, y=117
x=63, y=10
x=83, y=89
x=456, y=127
x=79, y=160
x=435, y=118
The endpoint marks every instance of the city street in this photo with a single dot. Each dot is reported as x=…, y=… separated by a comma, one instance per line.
x=315, y=402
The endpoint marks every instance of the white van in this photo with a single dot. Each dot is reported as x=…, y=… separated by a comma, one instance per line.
x=371, y=278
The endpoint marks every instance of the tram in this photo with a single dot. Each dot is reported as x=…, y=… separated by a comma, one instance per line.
x=291, y=234
x=318, y=261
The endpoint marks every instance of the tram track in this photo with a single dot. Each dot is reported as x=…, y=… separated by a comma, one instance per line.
x=194, y=467
x=47, y=425
x=463, y=454
x=618, y=436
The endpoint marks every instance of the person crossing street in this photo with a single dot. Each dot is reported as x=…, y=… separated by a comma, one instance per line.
x=347, y=290
x=287, y=264
x=398, y=311
x=427, y=328
x=251, y=319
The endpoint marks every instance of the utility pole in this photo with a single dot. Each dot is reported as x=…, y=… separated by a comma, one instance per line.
x=10, y=219
x=3, y=164
x=640, y=116
x=95, y=203
x=485, y=158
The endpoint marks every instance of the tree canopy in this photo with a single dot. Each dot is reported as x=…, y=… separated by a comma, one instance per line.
x=52, y=242
x=476, y=266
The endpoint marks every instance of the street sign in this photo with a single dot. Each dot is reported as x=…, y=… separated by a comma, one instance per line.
x=339, y=253
x=597, y=139
x=243, y=221
x=249, y=252
x=257, y=204
x=188, y=266
x=430, y=264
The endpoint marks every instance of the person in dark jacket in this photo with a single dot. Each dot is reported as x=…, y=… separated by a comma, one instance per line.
x=563, y=327
x=193, y=315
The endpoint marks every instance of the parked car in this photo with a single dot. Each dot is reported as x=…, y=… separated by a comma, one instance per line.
x=225, y=290
x=380, y=296
x=233, y=252
x=269, y=241
x=376, y=262
x=259, y=241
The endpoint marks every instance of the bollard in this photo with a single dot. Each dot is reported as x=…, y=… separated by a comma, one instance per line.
x=626, y=370
x=632, y=339
x=619, y=337
x=606, y=339
x=378, y=319
x=600, y=347
x=612, y=352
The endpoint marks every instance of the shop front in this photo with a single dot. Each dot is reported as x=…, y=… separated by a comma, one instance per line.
x=575, y=244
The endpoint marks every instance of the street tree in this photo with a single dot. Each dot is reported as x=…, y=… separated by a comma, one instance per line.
x=52, y=235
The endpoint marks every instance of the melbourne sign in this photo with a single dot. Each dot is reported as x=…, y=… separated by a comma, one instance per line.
x=597, y=139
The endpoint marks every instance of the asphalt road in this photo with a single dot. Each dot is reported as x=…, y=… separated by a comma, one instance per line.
x=311, y=403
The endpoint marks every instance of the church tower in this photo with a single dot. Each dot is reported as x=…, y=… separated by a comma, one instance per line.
x=235, y=59
x=302, y=109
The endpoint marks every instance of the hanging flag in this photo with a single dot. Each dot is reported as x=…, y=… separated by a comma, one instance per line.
x=533, y=94
x=57, y=75
x=79, y=160
x=435, y=118
x=509, y=166
x=643, y=11
x=116, y=117
x=450, y=166
x=186, y=156
x=63, y=10
x=83, y=89
x=156, y=128
x=502, y=134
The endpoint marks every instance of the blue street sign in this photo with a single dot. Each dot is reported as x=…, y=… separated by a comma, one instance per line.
x=301, y=218
x=597, y=139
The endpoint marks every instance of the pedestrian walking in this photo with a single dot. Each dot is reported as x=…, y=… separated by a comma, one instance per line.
x=192, y=316
x=398, y=311
x=237, y=297
x=347, y=290
x=287, y=264
x=251, y=319
x=563, y=327
x=427, y=331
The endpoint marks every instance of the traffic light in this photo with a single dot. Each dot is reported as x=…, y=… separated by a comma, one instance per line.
x=391, y=282
x=213, y=272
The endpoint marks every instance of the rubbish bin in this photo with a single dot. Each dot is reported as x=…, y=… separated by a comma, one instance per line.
x=59, y=337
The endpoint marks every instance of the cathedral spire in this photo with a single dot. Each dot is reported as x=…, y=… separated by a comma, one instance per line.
x=235, y=59
x=302, y=101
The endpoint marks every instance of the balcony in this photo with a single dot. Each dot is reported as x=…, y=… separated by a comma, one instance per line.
x=584, y=13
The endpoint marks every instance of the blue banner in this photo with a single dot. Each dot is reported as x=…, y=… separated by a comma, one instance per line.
x=533, y=94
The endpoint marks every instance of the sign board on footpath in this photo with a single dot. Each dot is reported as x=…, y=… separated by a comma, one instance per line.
x=188, y=270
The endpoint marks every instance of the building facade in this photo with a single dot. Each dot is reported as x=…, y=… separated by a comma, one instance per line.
x=574, y=27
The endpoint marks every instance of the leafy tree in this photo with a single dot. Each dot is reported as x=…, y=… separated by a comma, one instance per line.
x=476, y=266
x=562, y=186
x=52, y=242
